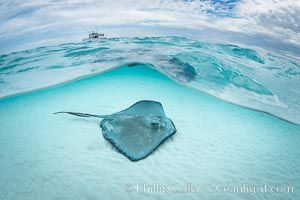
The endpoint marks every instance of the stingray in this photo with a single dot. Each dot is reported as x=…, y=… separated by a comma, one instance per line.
x=176, y=68
x=136, y=131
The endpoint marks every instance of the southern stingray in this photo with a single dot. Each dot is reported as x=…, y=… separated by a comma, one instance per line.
x=136, y=131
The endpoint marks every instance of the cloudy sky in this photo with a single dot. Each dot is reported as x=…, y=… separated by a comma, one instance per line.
x=269, y=24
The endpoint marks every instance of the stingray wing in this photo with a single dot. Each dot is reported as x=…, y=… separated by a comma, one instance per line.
x=145, y=107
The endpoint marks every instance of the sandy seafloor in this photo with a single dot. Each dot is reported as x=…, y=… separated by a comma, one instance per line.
x=46, y=156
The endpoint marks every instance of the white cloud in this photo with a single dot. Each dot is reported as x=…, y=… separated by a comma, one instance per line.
x=279, y=19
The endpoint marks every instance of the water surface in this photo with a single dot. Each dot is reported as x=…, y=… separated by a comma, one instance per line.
x=244, y=76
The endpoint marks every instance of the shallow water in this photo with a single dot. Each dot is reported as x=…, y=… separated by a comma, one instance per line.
x=247, y=77
x=46, y=156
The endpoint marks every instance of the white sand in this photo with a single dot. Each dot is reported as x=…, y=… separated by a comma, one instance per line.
x=45, y=156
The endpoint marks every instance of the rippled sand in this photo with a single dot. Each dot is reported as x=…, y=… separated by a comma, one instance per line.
x=46, y=156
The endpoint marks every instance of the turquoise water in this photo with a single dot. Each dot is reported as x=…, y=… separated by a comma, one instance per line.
x=206, y=89
x=46, y=156
x=251, y=78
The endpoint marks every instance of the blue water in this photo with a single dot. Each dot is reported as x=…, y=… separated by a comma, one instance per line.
x=46, y=156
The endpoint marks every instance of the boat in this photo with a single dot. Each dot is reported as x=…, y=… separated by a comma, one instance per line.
x=95, y=36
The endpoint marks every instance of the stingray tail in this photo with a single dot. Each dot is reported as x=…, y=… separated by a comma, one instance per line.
x=81, y=114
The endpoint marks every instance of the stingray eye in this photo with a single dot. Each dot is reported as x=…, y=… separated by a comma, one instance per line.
x=155, y=125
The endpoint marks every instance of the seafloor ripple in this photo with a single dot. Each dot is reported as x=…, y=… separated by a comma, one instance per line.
x=46, y=156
